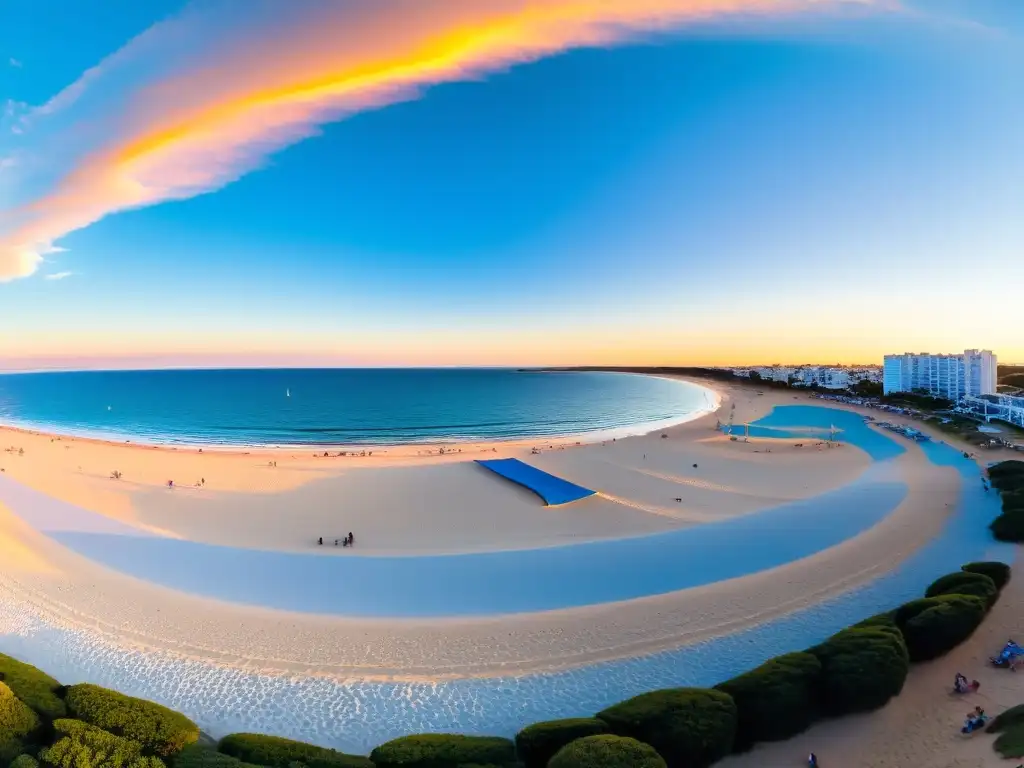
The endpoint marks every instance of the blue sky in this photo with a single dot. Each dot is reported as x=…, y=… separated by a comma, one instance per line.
x=799, y=186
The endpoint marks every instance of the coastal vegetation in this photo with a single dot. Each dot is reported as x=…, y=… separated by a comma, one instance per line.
x=538, y=743
x=858, y=669
x=276, y=752
x=158, y=730
x=1007, y=477
x=442, y=750
x=607, y=752
x=1010, y=727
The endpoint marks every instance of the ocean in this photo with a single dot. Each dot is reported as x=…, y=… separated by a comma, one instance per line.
x=278, y=407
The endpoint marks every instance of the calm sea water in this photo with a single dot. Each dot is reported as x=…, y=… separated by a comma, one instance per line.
x=342, y=406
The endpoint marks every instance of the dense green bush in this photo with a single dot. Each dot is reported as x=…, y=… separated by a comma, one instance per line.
x=1007, y=475
x=24, y=761
x=935, y=625
x=537, y=743
x=203, y=756
x=861, y=669
x=279, y=753
x=1009, y=526
x=1007, y=468
x=1011, y=718
x=776, y=700
x=18, y=724
x=907, y=611
x=1010, y=744
x=998, y=572
x=965, y=583
x=879, y=620
x=160, y=731
x=1010, y=726
x=689, y=727
x=32, y=686
x=1013, y=500
x=80, y=745
x=606, y=751
x=442, y=750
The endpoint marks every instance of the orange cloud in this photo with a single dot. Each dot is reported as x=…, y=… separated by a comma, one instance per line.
x=223, y=111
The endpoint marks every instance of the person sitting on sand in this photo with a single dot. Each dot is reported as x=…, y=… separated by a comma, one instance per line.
x=975, y=719
x=960, y=683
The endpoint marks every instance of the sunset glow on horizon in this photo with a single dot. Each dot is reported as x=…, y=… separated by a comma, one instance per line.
x=508, y=182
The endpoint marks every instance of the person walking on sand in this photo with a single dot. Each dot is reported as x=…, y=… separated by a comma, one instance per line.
x=351, y=539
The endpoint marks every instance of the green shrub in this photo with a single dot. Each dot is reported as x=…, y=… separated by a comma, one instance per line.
x=998, y=572
x=606, y=751
x=32, y=686
x=442, y=750
x=879, y=620
x=1011, y=743
x=936, y=625
x=907, y=611
x=1013, y=500
x=965, y=583
x=1007, y=475
x=776, y=700
x=1010, y=726
x=1009, y=526
x=18, y=724
x=689, y=727
x=536, y=744
x=24, y=761
x=278, y=752
x=80, y=745
x=160, y=731
x=202, y=756
x=1011, y=718
x=861, y=669
x=1007, y=468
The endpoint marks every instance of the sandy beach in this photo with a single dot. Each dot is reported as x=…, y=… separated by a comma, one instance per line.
x=414, y=501
x=406, y=503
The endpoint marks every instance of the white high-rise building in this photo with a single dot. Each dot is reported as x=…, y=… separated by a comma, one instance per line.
x=949, y=376
x=980, y=372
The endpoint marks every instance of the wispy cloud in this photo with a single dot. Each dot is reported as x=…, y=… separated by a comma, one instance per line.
x=218, y=94
x=14, y=62
x=58, y=275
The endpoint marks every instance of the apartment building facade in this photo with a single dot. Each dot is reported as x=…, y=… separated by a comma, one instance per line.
x=949, y=376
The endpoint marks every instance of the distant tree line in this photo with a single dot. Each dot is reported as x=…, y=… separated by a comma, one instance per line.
x=919, y=399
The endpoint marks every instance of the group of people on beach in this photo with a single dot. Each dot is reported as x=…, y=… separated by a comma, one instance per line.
x=348, y=541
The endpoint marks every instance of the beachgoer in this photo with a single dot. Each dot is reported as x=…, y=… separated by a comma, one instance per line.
x=812, y=760
x=351, y=539
x=320, y=541
x=335, y=542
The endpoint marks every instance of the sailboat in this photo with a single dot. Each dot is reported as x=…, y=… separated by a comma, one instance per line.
x=287, y=393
